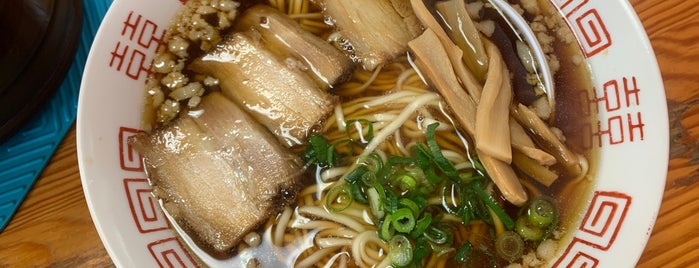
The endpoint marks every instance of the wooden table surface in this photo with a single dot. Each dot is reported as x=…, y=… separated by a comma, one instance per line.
x=53, y=228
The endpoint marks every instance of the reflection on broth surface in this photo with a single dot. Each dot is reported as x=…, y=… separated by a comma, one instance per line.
x=368, y=133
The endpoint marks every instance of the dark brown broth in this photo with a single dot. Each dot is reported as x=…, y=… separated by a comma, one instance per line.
x=573, y=116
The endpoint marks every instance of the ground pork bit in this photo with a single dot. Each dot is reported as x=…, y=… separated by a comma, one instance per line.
x=531, y=6
x=199, y=25
x=554, y=64
x=564, y=34
x=546, y=41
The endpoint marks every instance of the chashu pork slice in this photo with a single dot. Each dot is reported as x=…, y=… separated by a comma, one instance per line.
x=219, y=176
x=378, y=30
x=282, y=98
x=283, y=35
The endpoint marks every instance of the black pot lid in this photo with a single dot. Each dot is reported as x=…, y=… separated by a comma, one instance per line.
x=40, y=38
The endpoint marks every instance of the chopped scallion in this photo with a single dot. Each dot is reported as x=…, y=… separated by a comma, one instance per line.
x=400, y=251
x=386, y=230
x=319, y=151
x=509, y=246
x=463, y=253
x=438, y=234
x=359, y=127
x=356, y=174
x=338, y=198
x=527, y=231
x=406, y=183
x=421, y=250
x=357, y=193
x=542, y=211
x=465, y=214
x=403, y=220
x=421, y=225
x=432, y=176
x=410, y=204
x=442, y=162
x=323, y=150
x=391, y=202
x=374, y=162
x=490, y=202
x=375, y=203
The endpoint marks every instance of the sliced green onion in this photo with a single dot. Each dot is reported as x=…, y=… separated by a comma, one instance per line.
x=490, y=202
x=420, y=201
x=391, y=202
x=441, y=249
x=374, y=162
x=406, y=183
x=357, y=193
x=463, y=253
x=375, y=203
x=542, y=211
x=442, y=162
x=375, y=169
x=479, y=210
x=465, y=214
x=396, y=160
x=338, y=198
x=360, y=129
x=421, y=250
x=421, y=225
x=403, y=220
x=386, y=230
x=380, y=190
x=410, y=204
x=423, y=158
x=414, y=170
x=356, y=174
x=400, y=251
x=527, y=231
x=509, y=246
x=370, y=178
x=426, y=157
x=321, y=151
x=468, y=177
x=466, y=207
x=437, y=235
x=432, y=176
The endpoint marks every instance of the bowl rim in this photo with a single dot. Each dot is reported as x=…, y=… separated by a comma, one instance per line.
x=86, y=142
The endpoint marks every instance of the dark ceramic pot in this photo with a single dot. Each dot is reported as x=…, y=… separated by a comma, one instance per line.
x=38, y=39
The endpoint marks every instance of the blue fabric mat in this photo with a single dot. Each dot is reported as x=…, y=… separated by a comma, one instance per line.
x=24, y=155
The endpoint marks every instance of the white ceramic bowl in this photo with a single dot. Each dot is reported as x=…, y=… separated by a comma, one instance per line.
x=632, y=131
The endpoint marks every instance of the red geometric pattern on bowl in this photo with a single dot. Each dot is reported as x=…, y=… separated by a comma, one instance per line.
x=144, y=207
x=170, y=253
x=141, y=37
x=587, y=24
x=129, y=159
x=598, y=230
x=623, y=122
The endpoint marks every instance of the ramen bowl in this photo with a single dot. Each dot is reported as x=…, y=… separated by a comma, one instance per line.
x=630, y=133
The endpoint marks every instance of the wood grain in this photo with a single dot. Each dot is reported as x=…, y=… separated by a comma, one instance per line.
x=672, y=28
x=53, y=228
